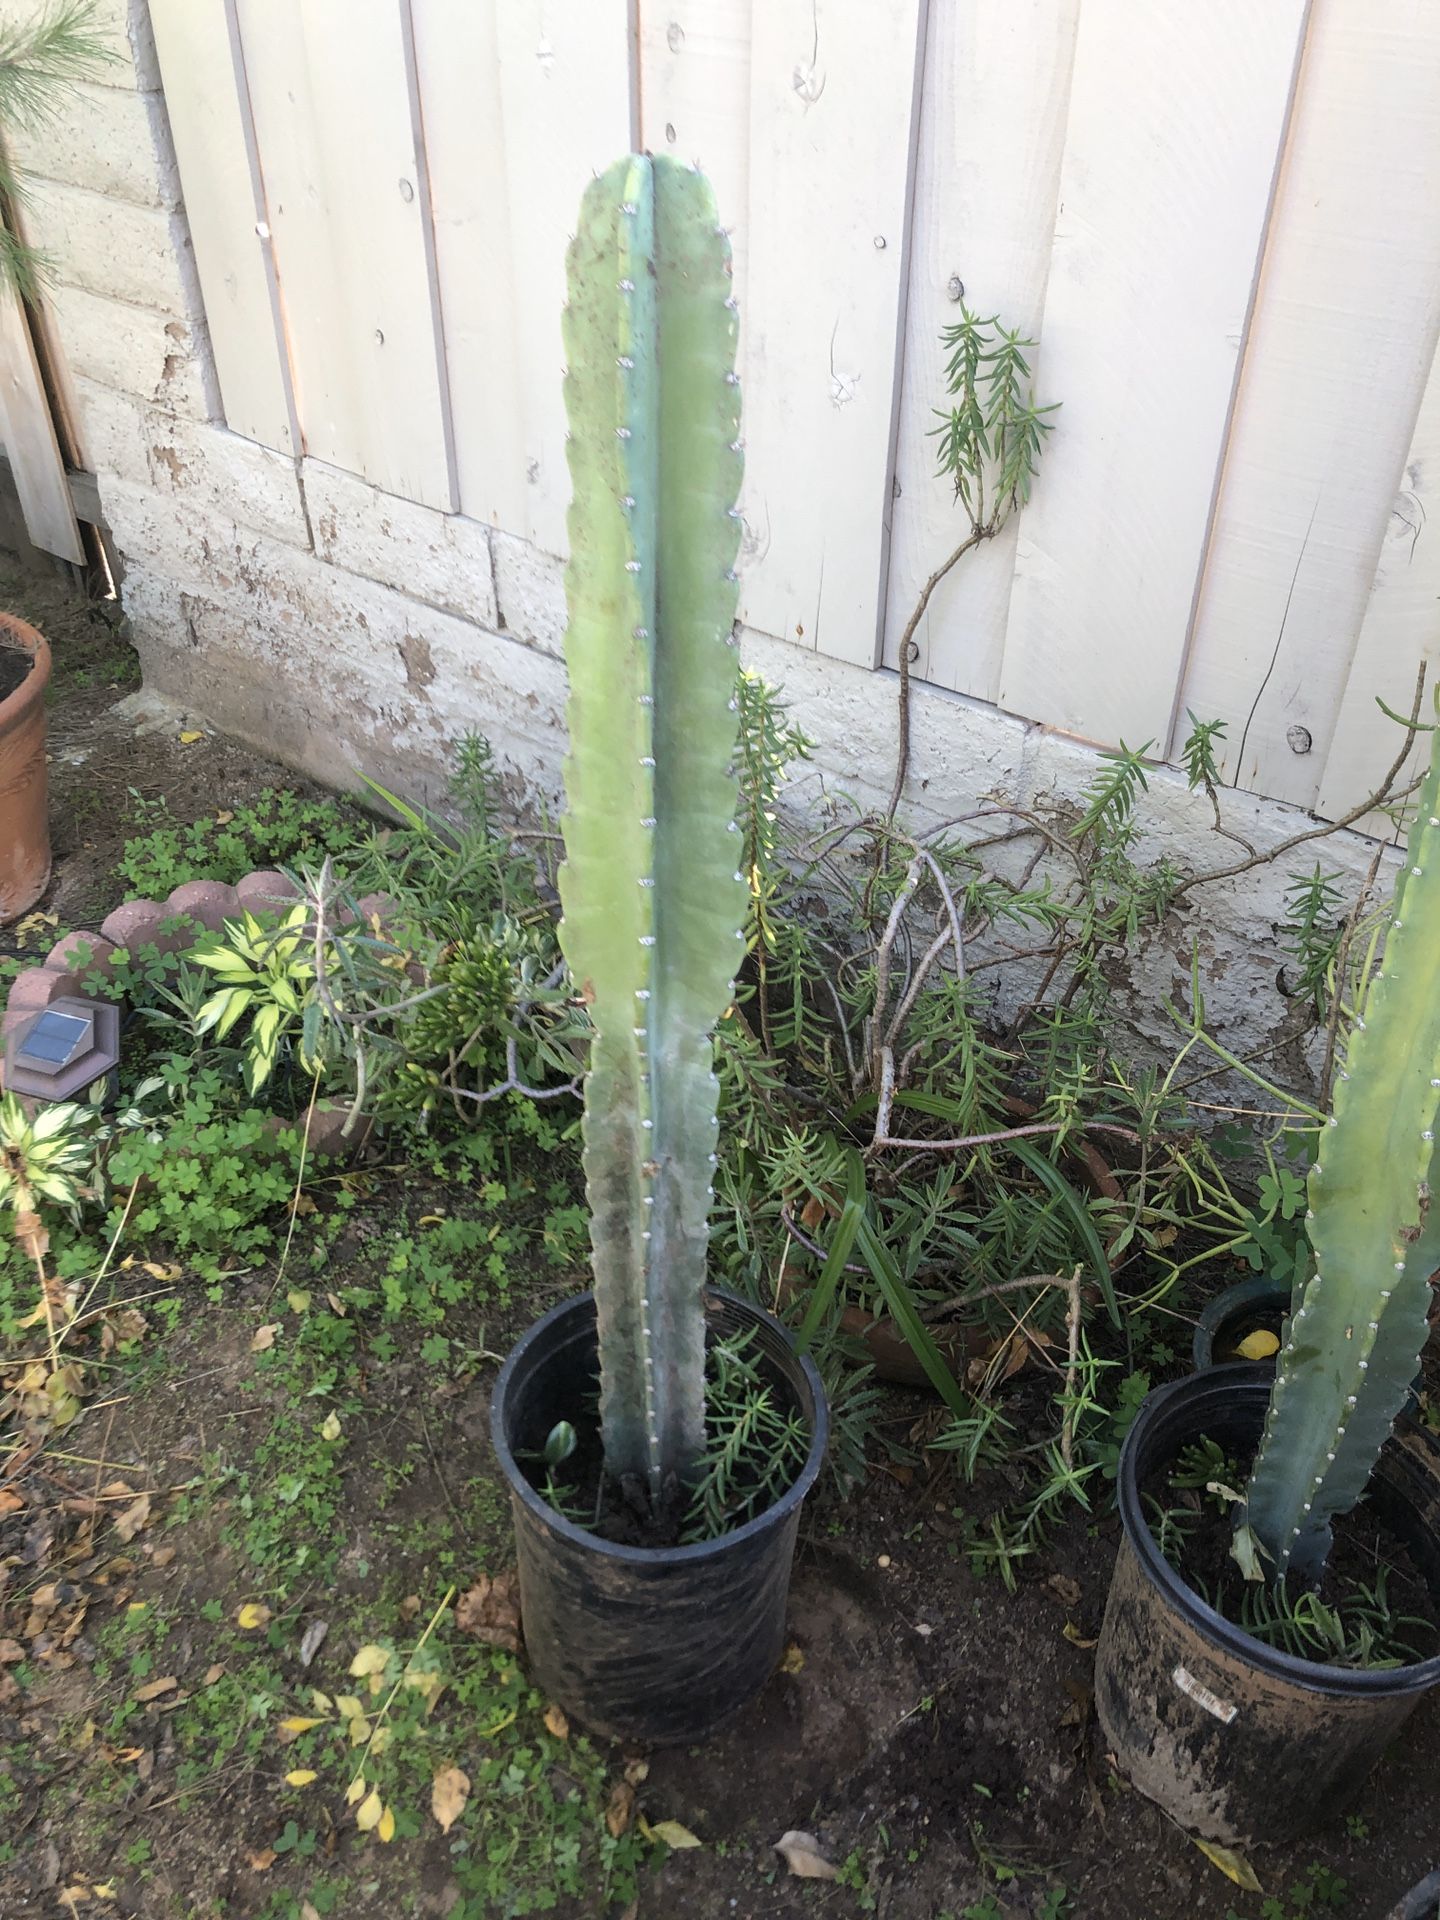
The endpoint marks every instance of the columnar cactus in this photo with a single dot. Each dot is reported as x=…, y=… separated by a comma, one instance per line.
x=652, y=901
x=1354, y=1341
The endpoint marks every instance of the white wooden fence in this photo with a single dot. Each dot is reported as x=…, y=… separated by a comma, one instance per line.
x=1221, y=220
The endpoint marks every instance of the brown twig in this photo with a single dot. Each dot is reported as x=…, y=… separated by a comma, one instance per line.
x=1385, y=791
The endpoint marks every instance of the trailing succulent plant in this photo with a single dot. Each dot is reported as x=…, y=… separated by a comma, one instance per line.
x=1354, y=1341
x=651, y=898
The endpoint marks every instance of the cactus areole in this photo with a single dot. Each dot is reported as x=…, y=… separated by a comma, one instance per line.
x=652, y=902
x=1354, y=1341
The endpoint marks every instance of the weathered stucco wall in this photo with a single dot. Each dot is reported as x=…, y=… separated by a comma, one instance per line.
x=340, y=628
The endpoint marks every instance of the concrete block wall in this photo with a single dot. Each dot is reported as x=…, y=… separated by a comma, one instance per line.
x=340, y=628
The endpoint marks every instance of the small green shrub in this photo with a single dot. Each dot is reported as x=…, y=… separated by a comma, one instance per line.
x=275, y=829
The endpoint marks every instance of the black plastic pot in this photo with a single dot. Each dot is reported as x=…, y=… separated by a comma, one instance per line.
x=654, y=1644
x=1236, y=1740
x=1239, y=1310
x=1421, y=1903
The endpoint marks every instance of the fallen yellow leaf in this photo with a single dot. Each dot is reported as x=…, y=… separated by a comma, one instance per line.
x=190, y=736
x=355, y=1789
x=153, y=1689
x=556, y=1723
x=368, y=1813
x=252, y=1615
x=330, y=1427
x=1258, y=1345
x=449, y=1791
x=300, y=1777
x=794, y=1659
x=385, y=1831
x=1233, y=1865
x=297, y=1724
x=371, y=1659
x=676, y=1837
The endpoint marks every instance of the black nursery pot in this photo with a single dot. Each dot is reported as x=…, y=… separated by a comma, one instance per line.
x=1234, y=1739
x=654, y=1644
x=1231, y=1315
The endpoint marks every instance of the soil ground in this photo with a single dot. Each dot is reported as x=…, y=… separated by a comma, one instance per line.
x=933, y=1731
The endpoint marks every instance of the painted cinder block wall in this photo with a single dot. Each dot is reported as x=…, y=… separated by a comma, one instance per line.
x=339, y=628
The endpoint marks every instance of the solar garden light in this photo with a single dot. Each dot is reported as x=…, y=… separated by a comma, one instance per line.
x=66, y=1047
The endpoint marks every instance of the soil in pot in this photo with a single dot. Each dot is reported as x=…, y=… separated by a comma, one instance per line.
x=1374, y=1608
x=756, y=1447
x=15, y=666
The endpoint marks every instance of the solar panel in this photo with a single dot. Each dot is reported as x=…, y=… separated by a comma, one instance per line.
x=54, y=1040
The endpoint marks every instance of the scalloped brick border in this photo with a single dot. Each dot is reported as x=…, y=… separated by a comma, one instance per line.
x=139, y=923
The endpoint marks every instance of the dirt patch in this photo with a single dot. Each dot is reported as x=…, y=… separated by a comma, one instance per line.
x=103, y=756
x=933, y=1730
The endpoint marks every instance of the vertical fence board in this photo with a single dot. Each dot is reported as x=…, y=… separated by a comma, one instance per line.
x=208, y=122
x=695, y=101
x=331, y=103
x=1177, y=114
x=457, y=62
x=565, y=99
x=832, y=107
x=1334, y=371
x=28, y=434
x=992, y=131
x=1400, y=629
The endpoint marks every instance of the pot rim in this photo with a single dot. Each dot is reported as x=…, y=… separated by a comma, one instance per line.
x=31, y=689
x=697, y=1550
x=1247, y=1382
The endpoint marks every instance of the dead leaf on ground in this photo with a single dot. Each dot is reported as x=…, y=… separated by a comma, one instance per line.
x=10, y=1502
x=263, y=1861
x=11, y=1651
x=311, y=1639
x=264, y=1337
x=556, y=1723
x=621, y=1808
x=1076, y=1636
x=253, y=1614
x=636, y=1771
x=1233, y=1865
x=153, y=1689
x=676, y=1837
x=490, y=1610
x=129, y=1523
x=449, y=1791
x=803, y=1857
x=212, y=1674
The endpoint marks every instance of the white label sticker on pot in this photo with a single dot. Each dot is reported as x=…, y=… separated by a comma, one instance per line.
x=1202, y=1695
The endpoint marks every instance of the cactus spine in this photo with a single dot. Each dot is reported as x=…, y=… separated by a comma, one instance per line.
x=652, y=902
x=1354, y=1341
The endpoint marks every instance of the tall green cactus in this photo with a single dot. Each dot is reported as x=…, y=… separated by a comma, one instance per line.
x=1354, y=1342
x=652, y=902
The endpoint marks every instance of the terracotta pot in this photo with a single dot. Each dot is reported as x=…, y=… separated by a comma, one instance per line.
x=24, y=813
